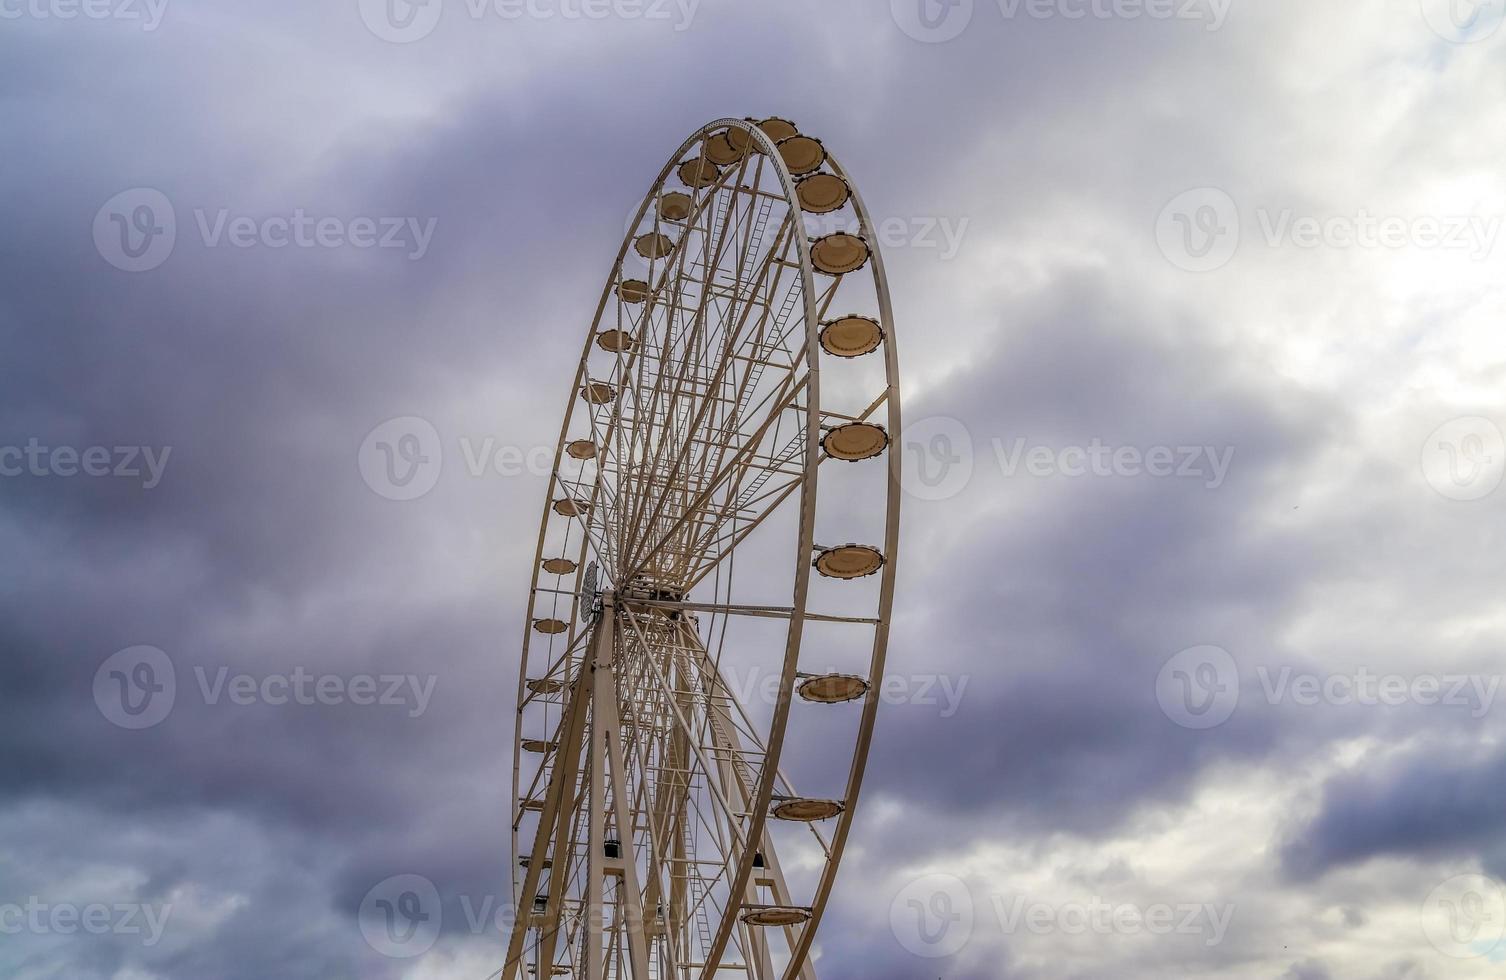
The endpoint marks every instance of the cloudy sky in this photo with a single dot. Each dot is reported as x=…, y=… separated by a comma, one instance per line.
x=1205, y=297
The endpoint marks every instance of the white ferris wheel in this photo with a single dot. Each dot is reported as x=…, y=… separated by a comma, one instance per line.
x=705, y=632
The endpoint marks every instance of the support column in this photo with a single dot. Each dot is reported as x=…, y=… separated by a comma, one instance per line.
x=600, y=663
x=610, y=735
x=551, y=841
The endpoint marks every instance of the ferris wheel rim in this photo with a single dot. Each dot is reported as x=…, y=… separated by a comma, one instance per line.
x=808, y=484
x=813, y=416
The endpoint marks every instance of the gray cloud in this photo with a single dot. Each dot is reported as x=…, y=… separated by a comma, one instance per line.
x=1435, y=800
x=1058, y=141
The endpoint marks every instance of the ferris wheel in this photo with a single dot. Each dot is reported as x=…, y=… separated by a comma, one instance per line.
x=704, y=631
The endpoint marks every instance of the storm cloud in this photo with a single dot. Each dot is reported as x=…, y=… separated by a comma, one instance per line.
x=1051, y=294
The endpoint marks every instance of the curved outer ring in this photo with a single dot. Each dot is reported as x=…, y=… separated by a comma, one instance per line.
x=886, y=588
x=760, y=811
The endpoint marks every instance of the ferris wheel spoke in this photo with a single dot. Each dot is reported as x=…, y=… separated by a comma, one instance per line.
x=693, y=336
x=745, y=458
x=703, y=395
x=661, y=854
x=741, y=783
x=720, y=693
x=686, y=804
x=746, y=609
x=676, y=715
x=756, y=344
x=760, y=500
x=733, y=476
